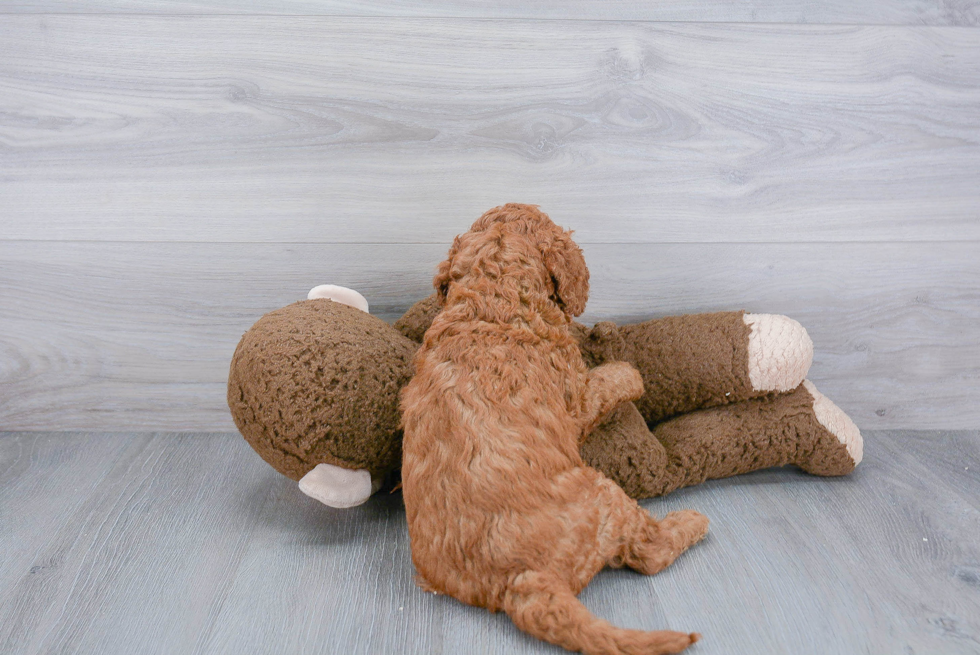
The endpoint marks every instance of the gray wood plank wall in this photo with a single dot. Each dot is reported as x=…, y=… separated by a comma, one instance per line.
x=880, y=12
x=166, y=179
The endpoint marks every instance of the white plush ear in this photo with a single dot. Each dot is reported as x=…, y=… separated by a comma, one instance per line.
x=337, y=487
x=339, y=294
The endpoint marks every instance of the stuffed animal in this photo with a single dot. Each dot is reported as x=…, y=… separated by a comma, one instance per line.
x=314, y=389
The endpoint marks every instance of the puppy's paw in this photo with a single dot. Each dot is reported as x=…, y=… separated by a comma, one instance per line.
x=667, y=540
x=625, y=379
x=634, y=383
x=687, y=526
x=609, y=386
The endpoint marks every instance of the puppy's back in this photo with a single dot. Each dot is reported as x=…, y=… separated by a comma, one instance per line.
x=487, y=428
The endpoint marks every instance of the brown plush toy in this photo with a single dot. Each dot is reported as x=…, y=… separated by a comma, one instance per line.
x=314, y=389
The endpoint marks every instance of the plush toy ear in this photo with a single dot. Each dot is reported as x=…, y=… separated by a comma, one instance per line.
x=445, y=273
x=569, y=274
x=339, y=294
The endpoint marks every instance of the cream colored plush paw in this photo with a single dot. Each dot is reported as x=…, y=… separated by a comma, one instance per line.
x=339, y=294
x=835, y=421
x=780, y=352
x=337, y=487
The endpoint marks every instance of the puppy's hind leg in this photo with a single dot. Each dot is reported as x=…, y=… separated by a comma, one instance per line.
x=656, y=544
x=543, y=606
x=635, y=538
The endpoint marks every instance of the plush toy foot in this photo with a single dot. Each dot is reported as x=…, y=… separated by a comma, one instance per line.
x=337, y=487
x=780, y=352
x=839, y=448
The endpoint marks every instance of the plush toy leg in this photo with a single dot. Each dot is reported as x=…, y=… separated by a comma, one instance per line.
x=801, y=427
x=705, y=360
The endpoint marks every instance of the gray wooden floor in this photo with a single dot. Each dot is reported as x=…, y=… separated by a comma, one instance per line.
x=189, y=543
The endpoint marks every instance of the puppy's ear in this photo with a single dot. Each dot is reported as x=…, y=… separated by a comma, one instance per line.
x=445, y=273
x=569, y=274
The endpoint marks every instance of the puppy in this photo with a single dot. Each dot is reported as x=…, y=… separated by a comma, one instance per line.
x=502, y=511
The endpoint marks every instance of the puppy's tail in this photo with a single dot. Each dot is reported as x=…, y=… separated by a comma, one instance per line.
x=542, y=606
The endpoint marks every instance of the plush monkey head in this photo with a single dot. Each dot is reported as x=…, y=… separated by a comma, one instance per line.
x=313, y=388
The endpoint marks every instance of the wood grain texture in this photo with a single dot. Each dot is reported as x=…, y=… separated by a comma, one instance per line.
x=164, y=543
x=140, y=335
x=306, y=129
x=880, y=12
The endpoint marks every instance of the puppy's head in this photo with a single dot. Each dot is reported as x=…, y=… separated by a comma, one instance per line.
x=519, y=239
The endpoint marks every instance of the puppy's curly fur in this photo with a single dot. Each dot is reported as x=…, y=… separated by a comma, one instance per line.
x=502, y=511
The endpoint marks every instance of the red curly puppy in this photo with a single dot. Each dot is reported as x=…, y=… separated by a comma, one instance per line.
x=502, y=511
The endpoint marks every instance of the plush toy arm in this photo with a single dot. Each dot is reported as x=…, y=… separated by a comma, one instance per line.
x=418, y=318
x=625, y=451
x=706, y=360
